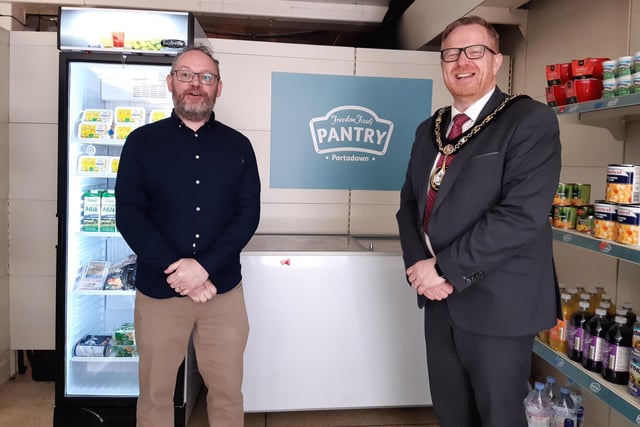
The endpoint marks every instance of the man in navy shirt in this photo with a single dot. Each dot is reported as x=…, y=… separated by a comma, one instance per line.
x=187, y=202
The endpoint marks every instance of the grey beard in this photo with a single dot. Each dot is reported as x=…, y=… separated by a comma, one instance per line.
x=193, y=115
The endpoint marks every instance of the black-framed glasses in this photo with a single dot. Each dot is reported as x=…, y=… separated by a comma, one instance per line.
x=187, y=76
x=475, y=51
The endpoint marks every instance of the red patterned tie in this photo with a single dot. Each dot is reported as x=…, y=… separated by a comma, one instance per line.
x=456, y=131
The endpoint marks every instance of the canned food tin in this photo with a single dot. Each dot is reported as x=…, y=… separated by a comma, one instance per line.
x=564, y=193
x=609, y=69
x=605, y=223
x=609, y=87
x=585, y=224
x=635, y=339
x=580, y=194
x=623, y=85
x=564, y=217
x=586, y=210
x=623, y=66
x=623, y=184
x=634, y=372
x=628, y=230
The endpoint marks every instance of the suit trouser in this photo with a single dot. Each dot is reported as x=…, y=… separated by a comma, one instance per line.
x=220, y=329
x=475, y=380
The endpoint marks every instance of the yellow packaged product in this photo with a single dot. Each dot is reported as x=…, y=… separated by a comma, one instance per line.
x=92, y=130
x=121, y=131
x=130, y=115
x=96, y=164
x=114, y=162
x=156, y=115
x=97, y=115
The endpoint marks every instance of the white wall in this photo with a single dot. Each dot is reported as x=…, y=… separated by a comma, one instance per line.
x=33, y=134
x=5, y=368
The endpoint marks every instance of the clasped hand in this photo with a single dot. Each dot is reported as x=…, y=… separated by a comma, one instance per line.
x=187, y=277
x=425, y=280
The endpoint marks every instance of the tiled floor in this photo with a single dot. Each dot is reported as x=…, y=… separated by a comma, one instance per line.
x=28, y=403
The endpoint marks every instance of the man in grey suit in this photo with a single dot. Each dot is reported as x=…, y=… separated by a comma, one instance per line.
x=475, y=233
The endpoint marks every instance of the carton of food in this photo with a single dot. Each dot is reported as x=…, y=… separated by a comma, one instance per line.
x=96, y=115
x=92, y=346
x=122, y=131
x=94, y=164
x=129, y=115
x=156, y=115
x=93, y=130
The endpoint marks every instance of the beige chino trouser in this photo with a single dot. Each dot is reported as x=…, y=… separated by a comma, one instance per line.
x=220, y=329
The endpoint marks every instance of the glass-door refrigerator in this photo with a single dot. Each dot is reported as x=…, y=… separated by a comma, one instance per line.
x=113, y=65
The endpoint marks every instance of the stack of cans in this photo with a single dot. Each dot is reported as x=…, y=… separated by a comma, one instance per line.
x=572, y=208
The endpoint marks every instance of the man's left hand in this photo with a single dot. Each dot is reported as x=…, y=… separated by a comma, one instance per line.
x=185, y=275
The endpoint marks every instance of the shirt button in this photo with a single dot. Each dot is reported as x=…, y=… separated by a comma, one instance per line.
x=197, y=181
x=194, y=245
x=198, y=209
x=195, y=134
x=197, y=156
x=197, y=235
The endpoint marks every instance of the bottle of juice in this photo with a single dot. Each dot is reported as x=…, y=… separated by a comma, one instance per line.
x=575, y=332
x=607, y=306
x=617, y=351
x=601, y=291
x=595, y=296
x=575, y=298
x=631, y=316
x=594, y=338
x=558, y=334
x=607, y=298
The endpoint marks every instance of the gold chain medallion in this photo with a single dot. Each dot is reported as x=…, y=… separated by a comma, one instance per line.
x=438, y=174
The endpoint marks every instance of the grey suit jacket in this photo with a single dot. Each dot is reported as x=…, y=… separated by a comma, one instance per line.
x=489, y=227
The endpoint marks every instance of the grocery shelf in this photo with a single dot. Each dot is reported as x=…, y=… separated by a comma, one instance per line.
x=614, y=395
x=605, y=247
x=599, y=111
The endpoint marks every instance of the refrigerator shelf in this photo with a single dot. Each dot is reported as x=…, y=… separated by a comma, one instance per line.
x=95, y=174
x=104, y=292
x=98, y=234
x=98, y=141
x=105, y=359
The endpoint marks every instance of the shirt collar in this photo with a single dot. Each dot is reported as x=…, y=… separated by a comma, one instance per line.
x=179, y=121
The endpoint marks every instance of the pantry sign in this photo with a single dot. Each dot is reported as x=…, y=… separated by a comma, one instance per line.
x=344, y=132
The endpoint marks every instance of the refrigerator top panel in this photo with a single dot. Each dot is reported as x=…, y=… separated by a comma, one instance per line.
x=122, y=30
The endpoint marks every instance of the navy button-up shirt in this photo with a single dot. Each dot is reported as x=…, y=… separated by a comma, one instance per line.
x=186, y=194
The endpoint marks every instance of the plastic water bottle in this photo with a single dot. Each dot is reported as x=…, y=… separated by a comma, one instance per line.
x=538, y=407
x=551, y=388
x=576, y=394
x=564, y=411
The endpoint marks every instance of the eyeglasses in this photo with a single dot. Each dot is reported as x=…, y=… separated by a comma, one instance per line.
x=205, y=78
x=475, y=51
